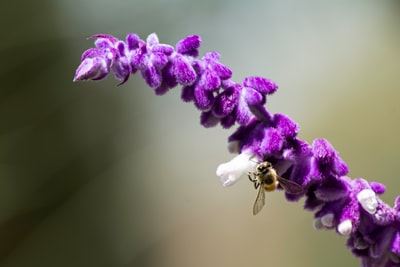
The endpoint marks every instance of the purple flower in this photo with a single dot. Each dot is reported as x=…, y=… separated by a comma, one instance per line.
x=350, y=206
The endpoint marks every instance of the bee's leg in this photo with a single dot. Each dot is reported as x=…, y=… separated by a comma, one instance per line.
x=253, y=179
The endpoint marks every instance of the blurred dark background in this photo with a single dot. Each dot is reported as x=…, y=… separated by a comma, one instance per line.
x=92, y=174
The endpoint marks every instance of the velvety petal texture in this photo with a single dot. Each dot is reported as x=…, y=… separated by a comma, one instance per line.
x=350, y=206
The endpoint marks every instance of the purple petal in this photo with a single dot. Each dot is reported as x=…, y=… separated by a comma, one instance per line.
x=121, y=48
x=121, y=69
x=95, y=52
x=212, y=61
x=207, y=119
x=222, y=71
x=152, y=40
x=229, y=83
x=138, y=58
x=301, y=167
x=187, y=94
x=396, y=243
x=383, y=240
x=285, y=125
x=163, y=48
x=252, y=96
x=184, y=72
x=225, y=102
x=108, y=37
x=243, y=113
x=323, y=151
x=245, y=130
x=328, y=158
x=271, y=142
x=209, y=81
x=340, y=167
x=261, y=113
x=351, y=211
x=332, y=189
x=159, y=59
x=378, y=188
x=228, y=121
x=103, y=44
x=262, y=85
x=202, y=98
x=211, y=56
x=132, y=41
x=312, y=202
x=152, y=76
x=189, y=46
x=168, y=80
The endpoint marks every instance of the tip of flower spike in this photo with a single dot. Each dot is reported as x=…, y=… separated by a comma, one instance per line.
x=91, y=69
x=104, y=36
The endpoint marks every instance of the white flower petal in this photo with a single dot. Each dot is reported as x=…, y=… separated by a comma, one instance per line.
x=345, y=227
x=327, y=220
x=367, y=199
x=317, y=224
x=231, y=171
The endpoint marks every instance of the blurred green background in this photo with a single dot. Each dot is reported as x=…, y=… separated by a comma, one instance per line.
x=92, y=174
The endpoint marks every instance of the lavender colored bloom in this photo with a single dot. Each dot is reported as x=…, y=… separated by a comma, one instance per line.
x=350, y=206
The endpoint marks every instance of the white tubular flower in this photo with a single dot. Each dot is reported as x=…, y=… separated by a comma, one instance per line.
x=345, y=227
x=317, y=224
x=323, y=222
x=367, y=199
x=231, y=171
x=327, y=220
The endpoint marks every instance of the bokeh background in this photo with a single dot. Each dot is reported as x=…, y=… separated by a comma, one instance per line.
x=92, y=174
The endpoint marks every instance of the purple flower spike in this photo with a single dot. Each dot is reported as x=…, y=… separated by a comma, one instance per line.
x=350, y=206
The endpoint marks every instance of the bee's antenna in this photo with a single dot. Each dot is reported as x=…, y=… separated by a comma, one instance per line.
x=254, y=161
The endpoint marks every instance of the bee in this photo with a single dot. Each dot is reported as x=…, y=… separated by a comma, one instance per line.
x=266, y=179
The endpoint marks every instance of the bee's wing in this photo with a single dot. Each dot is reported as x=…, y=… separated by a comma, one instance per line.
x=290, y=186
x=260, y=200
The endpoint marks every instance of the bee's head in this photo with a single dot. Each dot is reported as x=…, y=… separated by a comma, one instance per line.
x=264, y=166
